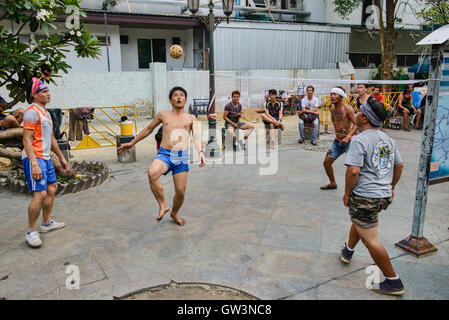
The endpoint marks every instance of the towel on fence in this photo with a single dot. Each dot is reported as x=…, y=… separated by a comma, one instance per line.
x=56, y=117
x=85, y=114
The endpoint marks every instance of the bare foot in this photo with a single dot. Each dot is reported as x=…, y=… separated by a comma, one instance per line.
x=178, y=219
x=162, y=212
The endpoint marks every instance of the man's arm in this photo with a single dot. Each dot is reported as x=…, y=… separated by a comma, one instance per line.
x=400, y=100
x=142, y=134
x=397, y=172
x=36, y=171
x=351, y=177
x=351, y=116
x=225, y=117
x=315, y=109
x=197, y=141
x=281, y=114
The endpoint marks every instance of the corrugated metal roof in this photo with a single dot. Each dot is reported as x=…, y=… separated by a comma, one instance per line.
x=253, y=48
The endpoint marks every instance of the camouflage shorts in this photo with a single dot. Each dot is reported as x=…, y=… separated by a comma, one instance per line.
x=364, y=211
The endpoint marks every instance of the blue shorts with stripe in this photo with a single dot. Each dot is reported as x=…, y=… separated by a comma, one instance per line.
x=48, y=174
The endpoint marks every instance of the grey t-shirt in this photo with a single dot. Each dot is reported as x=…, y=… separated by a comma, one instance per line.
x=376, y=154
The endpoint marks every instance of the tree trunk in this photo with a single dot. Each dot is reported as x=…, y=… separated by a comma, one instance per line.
x=15, y=133
x=387, y=38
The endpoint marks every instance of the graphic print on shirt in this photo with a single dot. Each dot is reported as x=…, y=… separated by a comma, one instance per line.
x=383, y=157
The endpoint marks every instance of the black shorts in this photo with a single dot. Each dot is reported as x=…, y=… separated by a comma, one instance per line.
x=401, y=111
x=267, y=124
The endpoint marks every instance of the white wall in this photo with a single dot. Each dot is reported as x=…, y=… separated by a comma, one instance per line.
x=86, y=89
x=129, y=55
x=196, y=84
x=101, y=64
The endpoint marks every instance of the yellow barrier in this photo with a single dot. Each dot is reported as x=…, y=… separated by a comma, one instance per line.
x=390, y=100
x=102, y=128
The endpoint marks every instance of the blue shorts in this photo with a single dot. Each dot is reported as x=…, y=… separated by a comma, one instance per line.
x=176, y=161
x=227, y=124
x=337, y=149
x=48, y=174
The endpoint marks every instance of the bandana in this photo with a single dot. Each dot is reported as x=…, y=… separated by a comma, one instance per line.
x=339, y=92
x=37, y=86
x=369, y=113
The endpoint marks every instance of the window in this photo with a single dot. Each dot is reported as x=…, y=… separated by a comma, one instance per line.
x=102, y=40
x=365, y=60
x=159, y=50
x=144, y=53
x=406, y=60
x=151, y=50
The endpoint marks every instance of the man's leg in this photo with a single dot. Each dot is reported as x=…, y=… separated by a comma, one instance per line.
x=47, y=203
x=156, y=169
x=34, y=208
x=301, y=130
x=377, y=251
x=180, y=182
x=327, y=163
x=18, y=114
x=249, y=128
x=47, y=207
x=418, y=118
x=354, y=237
x=316, y=127
x=10, y=122
x=272, y=135
x=406, y=114
x=232, y=132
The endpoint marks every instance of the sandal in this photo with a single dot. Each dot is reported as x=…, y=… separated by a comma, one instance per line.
x=328, y=187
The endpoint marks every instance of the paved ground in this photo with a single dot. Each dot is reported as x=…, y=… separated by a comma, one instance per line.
x=274, y=237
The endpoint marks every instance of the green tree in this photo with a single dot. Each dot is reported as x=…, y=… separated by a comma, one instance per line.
x=387, y=31
x=435, y=12
x=19, y=61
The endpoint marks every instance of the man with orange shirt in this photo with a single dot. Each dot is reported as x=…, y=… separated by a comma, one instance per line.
x=38, y=141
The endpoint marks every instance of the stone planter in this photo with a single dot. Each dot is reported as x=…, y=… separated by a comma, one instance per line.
x=93, y=174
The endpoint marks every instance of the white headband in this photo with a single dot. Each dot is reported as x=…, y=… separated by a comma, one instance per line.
x=339, y=92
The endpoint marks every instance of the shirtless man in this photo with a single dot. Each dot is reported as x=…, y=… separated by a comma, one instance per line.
x=342, y=116
x=407, y=107
x=8, y=121
x=173, y=154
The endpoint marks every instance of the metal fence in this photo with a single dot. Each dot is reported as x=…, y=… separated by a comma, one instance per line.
x=104, y=126
x=391, y=100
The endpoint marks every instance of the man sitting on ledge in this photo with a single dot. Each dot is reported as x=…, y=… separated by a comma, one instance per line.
x=8, y=121
x=273, y=114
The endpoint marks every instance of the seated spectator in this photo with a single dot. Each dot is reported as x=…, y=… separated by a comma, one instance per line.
x=363, y=95
x=406, y=108
x=416, y=96
x=273, y=114
x=232, y=114
x=309, y=112
x=8, y=121
x=377, y=95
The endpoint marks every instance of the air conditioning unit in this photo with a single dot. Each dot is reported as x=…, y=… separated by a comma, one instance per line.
x=273, y=4
x=293, y=5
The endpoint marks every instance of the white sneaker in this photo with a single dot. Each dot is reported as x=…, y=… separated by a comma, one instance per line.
x=52, y=226
x=33, y=239
x=242, y=144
